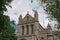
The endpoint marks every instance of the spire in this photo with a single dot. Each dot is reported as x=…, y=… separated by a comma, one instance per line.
x=35, y=15
x=35, y=12
x=27, y=12
x=20, y=17
x=49, y=27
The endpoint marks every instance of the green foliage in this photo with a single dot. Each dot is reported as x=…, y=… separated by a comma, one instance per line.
x=53, y=8
x=6, y=30
x=3, y=4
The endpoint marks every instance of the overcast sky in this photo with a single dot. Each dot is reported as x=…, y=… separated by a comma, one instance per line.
x=22, y=6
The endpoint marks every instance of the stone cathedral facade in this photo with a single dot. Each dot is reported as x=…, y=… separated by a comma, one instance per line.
x=29, y=28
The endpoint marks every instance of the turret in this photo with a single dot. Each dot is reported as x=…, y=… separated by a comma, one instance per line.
x=36, y=15
x=20, y=17
x=49, y=28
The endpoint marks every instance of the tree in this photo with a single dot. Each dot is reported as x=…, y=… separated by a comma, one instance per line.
x=3, y=4
x=6, y=29
x=53, y=8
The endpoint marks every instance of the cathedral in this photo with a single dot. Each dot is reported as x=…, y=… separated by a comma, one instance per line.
x=29, y=28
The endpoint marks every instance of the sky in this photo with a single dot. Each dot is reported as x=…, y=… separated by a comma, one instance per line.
x=22, y=6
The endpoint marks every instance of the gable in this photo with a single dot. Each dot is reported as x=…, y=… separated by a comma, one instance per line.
x=28, y=18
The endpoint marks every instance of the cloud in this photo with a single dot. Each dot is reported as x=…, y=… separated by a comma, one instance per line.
x=22, y=6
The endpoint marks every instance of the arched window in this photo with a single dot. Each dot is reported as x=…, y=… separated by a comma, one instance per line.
x=32, y=28
x=27, y=26
x=22, y=30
